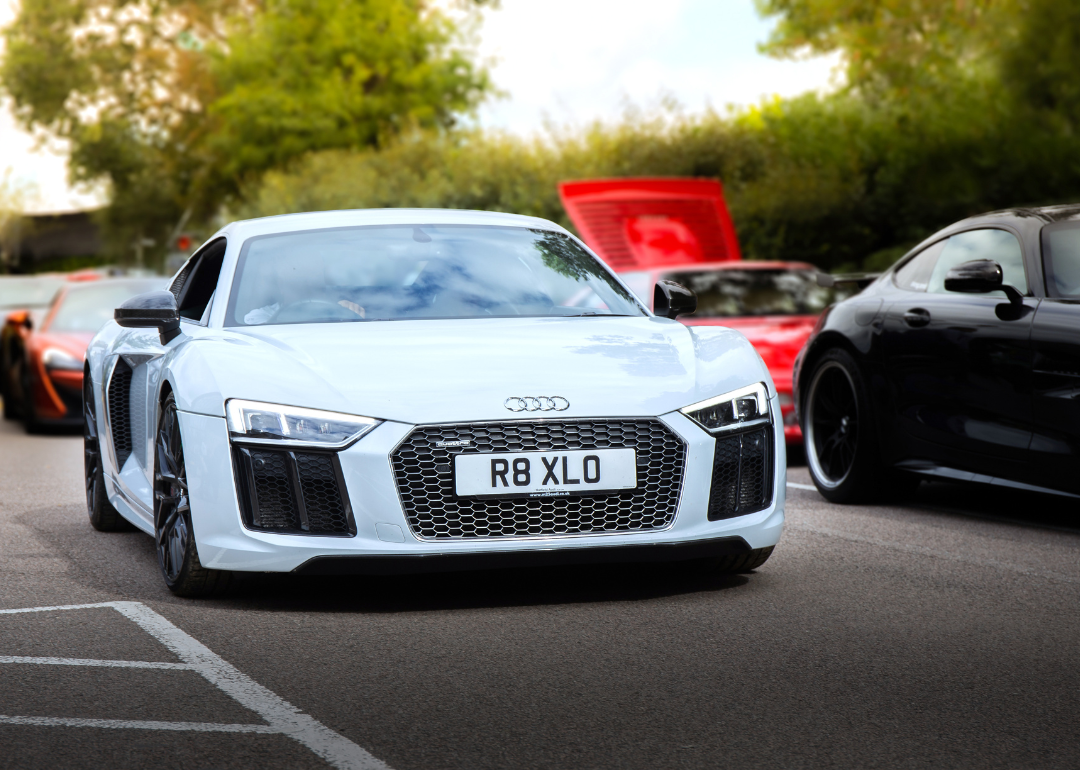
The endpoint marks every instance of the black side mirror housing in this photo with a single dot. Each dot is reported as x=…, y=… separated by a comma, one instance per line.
x=153, y=310
x=671, y=299
x=980, y=276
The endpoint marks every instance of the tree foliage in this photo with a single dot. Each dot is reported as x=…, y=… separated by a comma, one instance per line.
x=175, y=103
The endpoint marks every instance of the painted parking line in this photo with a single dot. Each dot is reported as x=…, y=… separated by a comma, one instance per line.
x=807, y=487
x=137, y=724
x=282, y=717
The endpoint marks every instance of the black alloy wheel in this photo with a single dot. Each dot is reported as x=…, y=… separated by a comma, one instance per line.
x=841, y=449
x=174, y=535
x=103, y=517
x=834, y=422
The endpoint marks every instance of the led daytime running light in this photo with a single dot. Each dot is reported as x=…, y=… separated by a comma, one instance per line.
x=277, y=424
x=738, y=409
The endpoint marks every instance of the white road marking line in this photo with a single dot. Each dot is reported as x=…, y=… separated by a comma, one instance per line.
x=283, y=717
x=924, y=551
x=109, y=605
x=808, y=487
x=138, y=724
x=91, y=662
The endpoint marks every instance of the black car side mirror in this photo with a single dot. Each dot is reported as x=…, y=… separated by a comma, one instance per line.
x=672, y=299
x=153, y=310
x=980, y=276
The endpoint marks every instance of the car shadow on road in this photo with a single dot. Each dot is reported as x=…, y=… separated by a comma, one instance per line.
x=473, y=590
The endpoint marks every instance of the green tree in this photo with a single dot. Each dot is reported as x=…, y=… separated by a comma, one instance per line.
x=175, y=102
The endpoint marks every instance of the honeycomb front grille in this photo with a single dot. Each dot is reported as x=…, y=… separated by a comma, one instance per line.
x=293, y=492
x=425, y=481
x=742, y=474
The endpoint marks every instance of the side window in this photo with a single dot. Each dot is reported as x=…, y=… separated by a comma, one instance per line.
x=914, y=275
x=998, y=245
x=194, y=286
x=1061, y=259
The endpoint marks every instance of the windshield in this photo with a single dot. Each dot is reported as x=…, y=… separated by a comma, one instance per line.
x=734, y=293
x=28, y=292
x=88, y=307
x=389, y=273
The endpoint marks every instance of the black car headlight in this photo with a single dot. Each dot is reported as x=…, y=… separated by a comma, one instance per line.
x=740, y=408
x=261, y=423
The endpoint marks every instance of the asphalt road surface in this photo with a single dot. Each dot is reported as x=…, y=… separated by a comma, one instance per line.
x=943, y=633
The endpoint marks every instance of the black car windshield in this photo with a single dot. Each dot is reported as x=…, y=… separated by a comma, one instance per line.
x=732, y=293
x=88, y=307
x=18, y=292
x=397, y=272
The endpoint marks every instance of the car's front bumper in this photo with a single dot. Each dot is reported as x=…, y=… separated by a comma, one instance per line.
x=384, y=542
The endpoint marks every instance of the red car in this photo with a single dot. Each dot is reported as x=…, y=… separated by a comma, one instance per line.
x=43, y=364
x=775, y=304
x=680, y=229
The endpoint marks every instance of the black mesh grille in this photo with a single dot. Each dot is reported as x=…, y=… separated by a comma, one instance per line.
x=426, y=486
x=742, y=474
x=294, y=492
x=318, y=480
x=119, y=418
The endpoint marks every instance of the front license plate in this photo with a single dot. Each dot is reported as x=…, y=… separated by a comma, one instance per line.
x=545, y=474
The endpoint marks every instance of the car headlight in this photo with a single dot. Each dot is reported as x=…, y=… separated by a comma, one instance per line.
x=277, y=424
x=740, y=408
x=55, y=358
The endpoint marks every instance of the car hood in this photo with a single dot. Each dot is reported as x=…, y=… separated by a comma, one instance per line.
x=464, y=370
x=74, y=343
x=778, y=339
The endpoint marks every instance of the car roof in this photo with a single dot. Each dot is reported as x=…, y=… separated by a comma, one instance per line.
x=318, y=220
x=1045, y=214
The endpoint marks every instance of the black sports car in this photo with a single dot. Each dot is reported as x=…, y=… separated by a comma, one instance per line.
x=962, y=361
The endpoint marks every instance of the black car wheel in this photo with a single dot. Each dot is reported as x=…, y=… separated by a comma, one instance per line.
x=103, y=517
x=840, y=449
x=173, y=532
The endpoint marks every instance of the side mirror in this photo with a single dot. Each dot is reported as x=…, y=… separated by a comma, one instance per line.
x=980, y=276
x=672, y=299
x=153, y=310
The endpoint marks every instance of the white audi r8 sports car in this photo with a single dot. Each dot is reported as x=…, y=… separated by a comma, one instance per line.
x=424, y=390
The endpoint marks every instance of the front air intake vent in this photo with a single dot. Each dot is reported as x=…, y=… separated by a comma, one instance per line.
x=742, y=474
x=119, y=395
x=301, y=493
x=422, y=467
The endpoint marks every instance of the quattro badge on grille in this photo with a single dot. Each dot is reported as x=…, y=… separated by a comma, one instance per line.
x=462, y=442
x=536, y=404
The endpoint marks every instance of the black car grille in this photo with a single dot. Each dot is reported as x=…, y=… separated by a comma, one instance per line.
x=742, y=474
x=293, y=492
x=119, y=403
x=425, y=482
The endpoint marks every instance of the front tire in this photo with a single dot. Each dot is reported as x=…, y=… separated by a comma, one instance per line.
x=29, y=411
x=103, y=517
x=174, y=536
x=841, y=450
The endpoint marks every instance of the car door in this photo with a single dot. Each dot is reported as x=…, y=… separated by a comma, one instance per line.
x=1055, y=446
x=959, y=365
x=133, y=375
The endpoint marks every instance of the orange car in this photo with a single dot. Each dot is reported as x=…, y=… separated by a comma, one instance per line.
x=43, y=364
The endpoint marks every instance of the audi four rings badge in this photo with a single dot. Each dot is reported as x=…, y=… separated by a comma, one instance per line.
x=536, y=404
